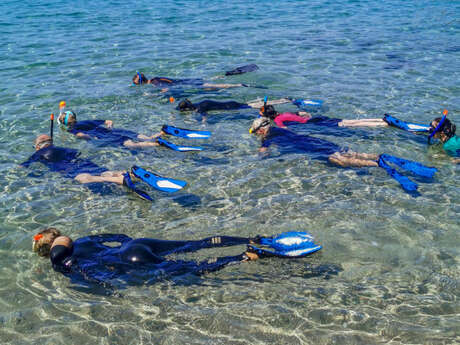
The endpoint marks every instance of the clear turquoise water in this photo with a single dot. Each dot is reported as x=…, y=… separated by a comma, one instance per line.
x=398, y=254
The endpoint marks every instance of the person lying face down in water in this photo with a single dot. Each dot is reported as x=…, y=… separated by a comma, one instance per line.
x=209, y=105
x=68, y=163
x=320, y=149
x=104, y=133
x=281, y=119
x=91, y=258
x=165, y=83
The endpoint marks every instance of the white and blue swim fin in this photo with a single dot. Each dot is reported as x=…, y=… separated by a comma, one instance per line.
x=185, y=133
x=164, y=184
x=293, y=244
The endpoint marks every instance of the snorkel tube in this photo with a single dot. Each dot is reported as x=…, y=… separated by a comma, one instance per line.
x=51, y=126
x=140, y=78
x=439, y=126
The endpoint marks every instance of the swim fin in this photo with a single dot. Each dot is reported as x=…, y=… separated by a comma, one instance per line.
x=177, y=147
x=130, y=184
x=407, y=126
x=243, y=69
x=185, y=133
x=303, y=103
x=404, y=181
x=161, y=183
x=411, y=166
x=292, y=244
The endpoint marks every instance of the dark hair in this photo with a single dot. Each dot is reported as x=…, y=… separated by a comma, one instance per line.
x=136, y=78
x=447, y=128
x=185, y=105
x=269, y=111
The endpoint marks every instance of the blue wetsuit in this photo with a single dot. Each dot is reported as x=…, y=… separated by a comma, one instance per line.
x=105, y=136
x=162, y=81
x=64, y=161
x=289, y=142
x=136, y=260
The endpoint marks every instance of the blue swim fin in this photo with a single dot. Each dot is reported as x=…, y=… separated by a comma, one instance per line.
x=185, y=133
x=161, y=183
x=407, y=126
x=130, y=184
x=404, y=181
x=304, y=103
x=177, y=147
x=292, y=244
x=411, y=166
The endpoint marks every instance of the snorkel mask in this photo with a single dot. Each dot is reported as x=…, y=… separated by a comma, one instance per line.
x=438, y=127
x=65, y=122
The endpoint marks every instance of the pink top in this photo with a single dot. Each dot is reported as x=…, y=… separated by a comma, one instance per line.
x=286, y=117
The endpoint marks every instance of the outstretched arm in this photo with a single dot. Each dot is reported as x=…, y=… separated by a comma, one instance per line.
x=221, y=86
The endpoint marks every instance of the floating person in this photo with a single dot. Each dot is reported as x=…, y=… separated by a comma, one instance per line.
x=320, y=149
x=281, y=119
x=68, y=163
x=103, y=133
x=91, y=259
x=205, y=106
x=166, y=83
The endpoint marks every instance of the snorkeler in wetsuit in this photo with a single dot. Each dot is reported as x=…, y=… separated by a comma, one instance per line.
x=320, y=149
x=103, y=132
x=281, y=119
x=68, y=163
x=90, y=259
x=209, y=105
x=165, y=83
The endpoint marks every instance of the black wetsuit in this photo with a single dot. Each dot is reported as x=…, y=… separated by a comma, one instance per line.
x=136, y=259
x=289, y=142
x=105, y=136
x=64, y=161
x=208, y=105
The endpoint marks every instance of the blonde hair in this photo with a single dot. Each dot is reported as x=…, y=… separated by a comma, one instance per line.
x=43, y=240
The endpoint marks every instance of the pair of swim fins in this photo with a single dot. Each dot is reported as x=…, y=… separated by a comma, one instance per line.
x=407, y=165
x=183, y=133
x=161, y=183
x=292, y=244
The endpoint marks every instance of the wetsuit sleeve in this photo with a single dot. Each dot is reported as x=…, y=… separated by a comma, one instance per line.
x=61, y=258
x=289, y=117
x=83, y=126
x=35, y=157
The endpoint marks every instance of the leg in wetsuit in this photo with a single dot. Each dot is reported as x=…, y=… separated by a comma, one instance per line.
x=148, y=250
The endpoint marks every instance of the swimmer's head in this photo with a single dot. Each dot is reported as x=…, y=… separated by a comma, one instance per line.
x=43, y=240
x=185, y=105
x=260, y=125
x=445, y=131
x=268, y=111
x=139, y=79
x=42, y=141
x=67, y=118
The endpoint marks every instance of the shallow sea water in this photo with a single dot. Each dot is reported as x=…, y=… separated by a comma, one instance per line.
x=388, y=272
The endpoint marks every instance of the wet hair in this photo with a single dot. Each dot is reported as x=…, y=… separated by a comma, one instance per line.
x=185, y=105
x=447, y=128
x=269, y=111
x=139, y=78
x=43, y=241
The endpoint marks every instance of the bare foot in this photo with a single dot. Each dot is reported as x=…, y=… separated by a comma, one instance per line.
x=252, y=256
